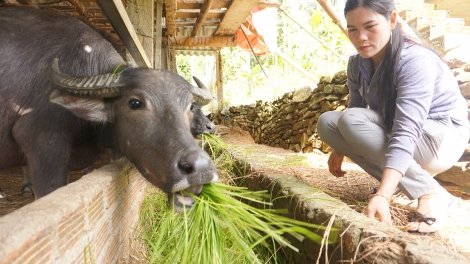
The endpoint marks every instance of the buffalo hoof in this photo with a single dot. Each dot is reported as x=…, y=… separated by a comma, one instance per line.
x=27, y=191
x=84, y=172
x=3, y=197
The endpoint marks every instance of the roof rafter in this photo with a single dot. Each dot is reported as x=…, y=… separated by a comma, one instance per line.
x=202, y=16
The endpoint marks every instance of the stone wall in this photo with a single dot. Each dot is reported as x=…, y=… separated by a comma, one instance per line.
x=459, y=61
x=290, y=121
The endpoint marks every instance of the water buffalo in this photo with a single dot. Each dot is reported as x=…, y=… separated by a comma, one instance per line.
x=62, y=84
x=201, y=123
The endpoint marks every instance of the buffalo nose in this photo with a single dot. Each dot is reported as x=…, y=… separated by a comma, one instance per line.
x=198, y=167
x=211, y=127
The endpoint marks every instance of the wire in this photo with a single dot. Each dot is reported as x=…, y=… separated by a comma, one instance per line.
x=256, y=57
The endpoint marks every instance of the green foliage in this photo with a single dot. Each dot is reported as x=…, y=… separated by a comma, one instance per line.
x=184, y=67
x=227, y=224
x=220, y=228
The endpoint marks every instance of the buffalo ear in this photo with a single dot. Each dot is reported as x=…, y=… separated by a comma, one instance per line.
x=89, y=109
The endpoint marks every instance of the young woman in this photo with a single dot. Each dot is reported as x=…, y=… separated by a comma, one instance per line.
x=406, y=120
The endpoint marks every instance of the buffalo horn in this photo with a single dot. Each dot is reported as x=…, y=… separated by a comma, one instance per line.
x=95, y=87
x=201, y=94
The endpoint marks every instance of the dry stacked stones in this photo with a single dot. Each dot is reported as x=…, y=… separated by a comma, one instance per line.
x=290, y=121
x=459, y=61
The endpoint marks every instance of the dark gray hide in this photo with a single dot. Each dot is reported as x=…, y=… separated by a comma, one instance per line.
x=54, y=131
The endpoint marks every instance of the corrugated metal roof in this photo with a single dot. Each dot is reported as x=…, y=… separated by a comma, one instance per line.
x=194, y=51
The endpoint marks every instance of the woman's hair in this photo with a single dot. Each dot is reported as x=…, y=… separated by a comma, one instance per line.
x=387, y=92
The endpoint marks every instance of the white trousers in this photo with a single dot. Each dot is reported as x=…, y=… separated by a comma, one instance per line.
x=358, y=133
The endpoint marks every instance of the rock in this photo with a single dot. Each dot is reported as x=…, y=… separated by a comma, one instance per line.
x=328, y=89
x=307, y=149
x=340, y=77
x=326, y=106
x=458, y=57
x=316, y=99
x=287, y=134
x=466, y=67
x=463, y=77
x=332, y=97
x=301, y=94
x=295, y=139
x=303, y=141
x=295, y=147
x=457, y=71
x=326, y=79
x=465, y=90
x=341, y=89
x=325, y=148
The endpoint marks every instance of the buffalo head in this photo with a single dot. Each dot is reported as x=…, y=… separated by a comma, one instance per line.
x=150, y=111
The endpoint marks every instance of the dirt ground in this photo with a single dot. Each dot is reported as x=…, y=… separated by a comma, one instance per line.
x=353, y=189
x=11, y=181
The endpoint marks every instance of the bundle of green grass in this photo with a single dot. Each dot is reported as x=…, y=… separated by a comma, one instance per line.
x=220, y=228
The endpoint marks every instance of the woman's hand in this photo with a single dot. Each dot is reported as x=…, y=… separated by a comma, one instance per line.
x=334, y=164
x=379, y=207
x=379, y=204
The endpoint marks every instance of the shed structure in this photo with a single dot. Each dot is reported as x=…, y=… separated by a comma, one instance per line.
x=150, y=33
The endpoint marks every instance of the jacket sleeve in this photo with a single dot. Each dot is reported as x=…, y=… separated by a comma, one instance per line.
x=416, y=78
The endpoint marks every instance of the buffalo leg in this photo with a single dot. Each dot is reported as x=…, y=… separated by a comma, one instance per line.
x=47, y=161
x=26, y=187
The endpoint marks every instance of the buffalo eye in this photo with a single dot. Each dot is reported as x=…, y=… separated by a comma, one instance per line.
x=135, y=104
x=192, y=107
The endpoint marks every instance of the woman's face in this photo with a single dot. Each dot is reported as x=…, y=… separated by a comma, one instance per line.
x=369, y=32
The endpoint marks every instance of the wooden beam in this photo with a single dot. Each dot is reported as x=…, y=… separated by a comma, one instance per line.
x=220, y=82
x=195, y=13
x=79, y=8
x=170, y=11
x=202, y=16
x=236, y=14
x=196, y=4
x=268, y=3
x=201, y=41
x=117, y=16
x=158, y=35
x=207, y=22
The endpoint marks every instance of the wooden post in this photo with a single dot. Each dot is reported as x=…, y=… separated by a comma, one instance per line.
x=220, y=82
x=157, y=63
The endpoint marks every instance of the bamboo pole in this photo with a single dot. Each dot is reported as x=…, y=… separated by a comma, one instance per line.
x=296, y=66
x=313, y=36
x=325, y=4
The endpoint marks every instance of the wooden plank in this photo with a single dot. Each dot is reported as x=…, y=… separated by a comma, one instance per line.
x=196, y=4
x=207, y=22
x=158, y=35
x=195, y=13
x=220, y=82
x=202, y=16
x=236, y=14
x=202, y=41
x=170, y=10
x=117, y=16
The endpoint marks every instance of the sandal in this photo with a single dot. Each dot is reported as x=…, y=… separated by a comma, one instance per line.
x=434, y=215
